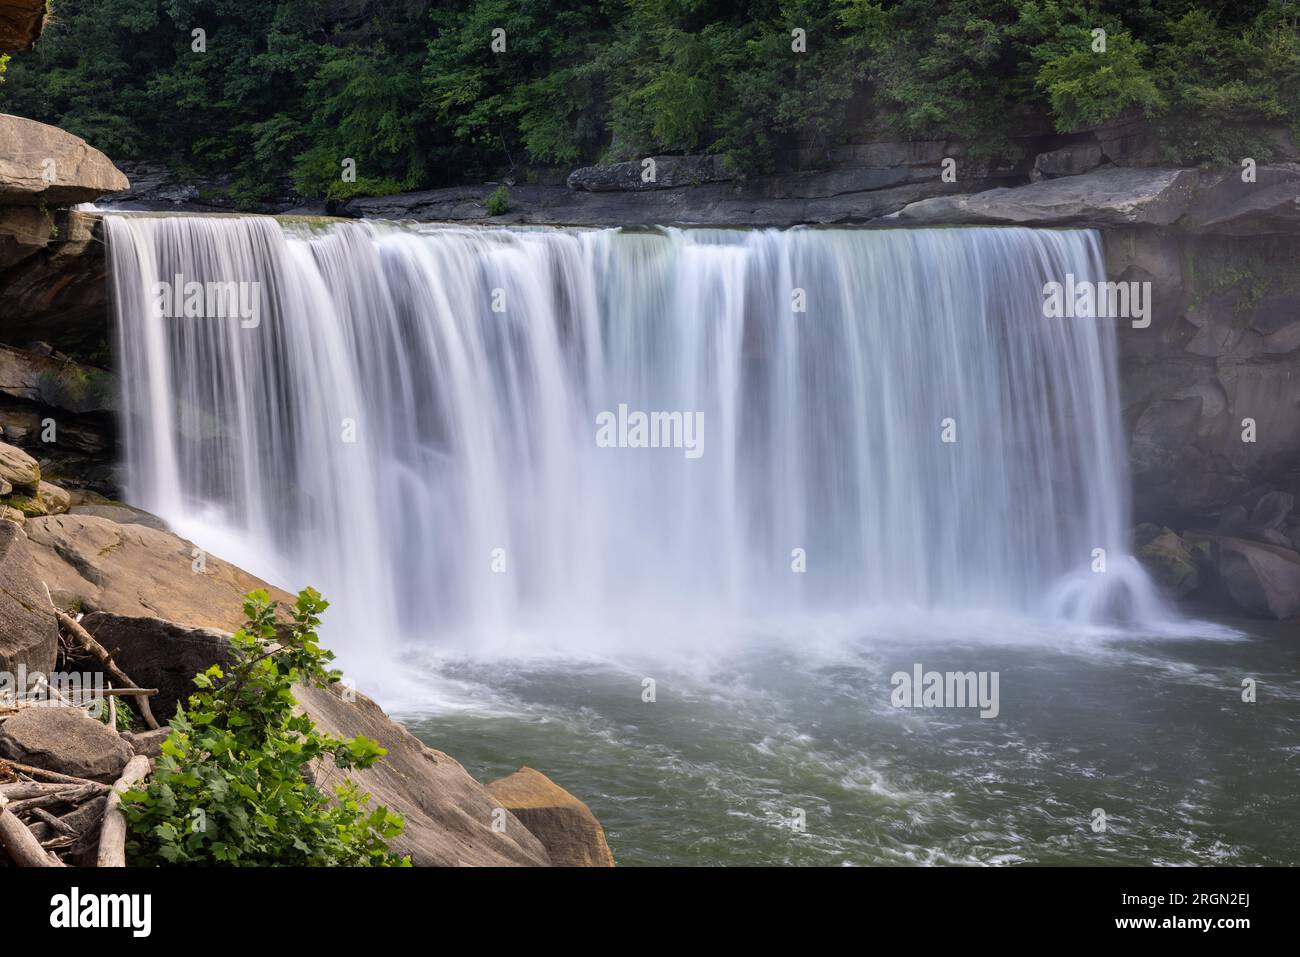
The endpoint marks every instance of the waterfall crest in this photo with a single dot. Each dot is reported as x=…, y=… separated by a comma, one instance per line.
x=411, y=425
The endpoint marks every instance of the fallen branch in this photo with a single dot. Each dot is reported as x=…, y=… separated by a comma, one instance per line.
x=53, y=822
x=95, y=648
x=21, y=845
x=42, y=773
x=67, y=796
x=21, y=790
x=112, y=836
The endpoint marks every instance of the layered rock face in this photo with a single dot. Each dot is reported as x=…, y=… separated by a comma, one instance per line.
x=21, y=22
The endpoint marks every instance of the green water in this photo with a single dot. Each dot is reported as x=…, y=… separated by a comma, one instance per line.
x=1153, y=731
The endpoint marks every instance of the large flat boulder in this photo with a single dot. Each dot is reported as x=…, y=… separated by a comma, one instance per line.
x=95, y=564
x=66, y=740
x=1104, y=197
x=29, y=636
x=449, y=816
x=44, y=165
x=571, y=833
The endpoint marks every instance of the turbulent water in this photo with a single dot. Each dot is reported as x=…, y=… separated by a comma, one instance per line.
x=879, y=453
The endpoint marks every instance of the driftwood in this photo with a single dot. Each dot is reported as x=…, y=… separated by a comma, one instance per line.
x=112, y=836
x=65, y=829
x=42, y=773
x=87, y=641
x=21, y=790
x=69, y=795
x=21, y=844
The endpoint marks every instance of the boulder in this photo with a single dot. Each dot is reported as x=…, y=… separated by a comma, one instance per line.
x=96, y=564
x=1170, y=561
x=572, y=835
x=66, y=740
x=449, y=816
x=21, y=22
x=160, y=654
x=18, y=468
x=148, y=743
x=1067, y=161
x=1263, y=579
x=29, y=636
x=1271, y=510
x=44, y=165
x=1229, y=207
x=55, y=499
x=1104, y=197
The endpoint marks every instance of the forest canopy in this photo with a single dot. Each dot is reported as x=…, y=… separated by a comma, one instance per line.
x=419, y=95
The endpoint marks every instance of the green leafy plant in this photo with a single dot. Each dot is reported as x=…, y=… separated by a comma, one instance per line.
x=498, y=204
x=125, y=717
x=232, y=784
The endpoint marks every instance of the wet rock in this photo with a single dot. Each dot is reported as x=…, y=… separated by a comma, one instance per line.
x=572, y=835
x=65, y=740
x=1263, y=579
x=1169, y=560
x=1272, y=510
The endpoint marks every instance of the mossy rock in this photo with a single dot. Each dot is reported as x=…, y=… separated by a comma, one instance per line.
x=29, y=505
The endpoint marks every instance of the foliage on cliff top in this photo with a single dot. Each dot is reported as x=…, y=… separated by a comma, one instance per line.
x=415, y=93
x=231, y=786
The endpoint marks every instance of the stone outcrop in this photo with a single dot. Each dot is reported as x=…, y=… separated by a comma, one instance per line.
x=449, y=816
x=160, y=654
x=21, y=22
x=95, y=564
x=1105, y=197
x=54, y=380
x=57, y=289
x=1168, y=558
x=66, y=740
x=572, y=835
x=42, y=164
x=51, y=273
x=29, y=637
x=1263, y=579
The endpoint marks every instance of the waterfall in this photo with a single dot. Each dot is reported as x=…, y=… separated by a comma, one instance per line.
x=410, y=421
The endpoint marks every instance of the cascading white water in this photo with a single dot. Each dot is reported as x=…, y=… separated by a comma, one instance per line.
x=411, y=427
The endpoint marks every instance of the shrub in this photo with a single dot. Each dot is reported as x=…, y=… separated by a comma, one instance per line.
x=231, y=788
x=498, y=203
